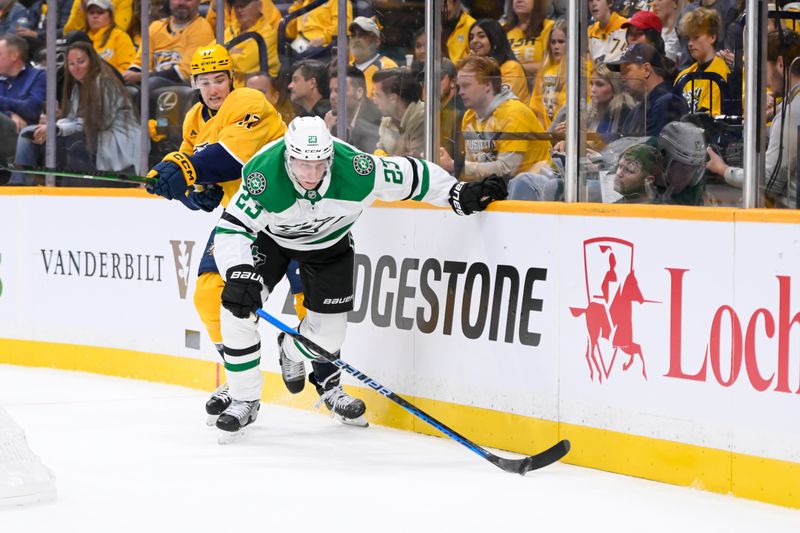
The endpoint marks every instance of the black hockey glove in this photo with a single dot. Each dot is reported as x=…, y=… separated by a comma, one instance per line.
x=467, y=197
x=208, y=198
x=242, y=293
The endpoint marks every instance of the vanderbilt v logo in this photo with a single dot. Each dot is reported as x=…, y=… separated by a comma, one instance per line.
x=183, y=264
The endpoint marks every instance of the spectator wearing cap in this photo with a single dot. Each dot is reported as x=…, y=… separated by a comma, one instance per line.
x=308, y=89
x=644, y=27
x=110, y=42
x=455, y=30
x=701, y=28
x=667, y=13
x=22, y=93
x=606, y=35
x=248, y=16
x=123, y=12
x=643, y=76
x=363, y=118
x=365, y=39
x=402, y=129
x=11, y=14
x=318, y=27
x=638, y=168
x=173, y=40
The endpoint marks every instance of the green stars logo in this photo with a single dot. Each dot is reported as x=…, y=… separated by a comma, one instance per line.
x=363, y=165
x=255, y=183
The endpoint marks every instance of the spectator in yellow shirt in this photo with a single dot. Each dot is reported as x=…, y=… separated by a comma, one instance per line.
x=549, y=89
x=268, y=10
x=123, y=11
x=317, y=28
x=701, y=27
x=110, y=42
x=249, y=17
x=502, y=137
x=487, y=38
x=528, y=31
x=606, y=35
x=365, y=39
x=173, y=40
x=455, y=30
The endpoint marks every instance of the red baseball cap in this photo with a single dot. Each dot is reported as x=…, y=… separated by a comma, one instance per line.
x=644, y=20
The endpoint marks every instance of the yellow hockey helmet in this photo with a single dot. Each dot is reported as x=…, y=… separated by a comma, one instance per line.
x=213, y=58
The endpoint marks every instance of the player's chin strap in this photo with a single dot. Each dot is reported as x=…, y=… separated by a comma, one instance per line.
x=67, y=173
x=515, y=466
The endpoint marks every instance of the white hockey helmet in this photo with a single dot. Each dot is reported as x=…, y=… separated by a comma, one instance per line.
x=308, y=139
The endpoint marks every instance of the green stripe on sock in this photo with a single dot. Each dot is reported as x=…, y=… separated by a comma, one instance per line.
x=230, y=367
x=303, y=350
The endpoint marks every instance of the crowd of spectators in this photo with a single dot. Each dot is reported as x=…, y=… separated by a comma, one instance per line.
x=649, y=65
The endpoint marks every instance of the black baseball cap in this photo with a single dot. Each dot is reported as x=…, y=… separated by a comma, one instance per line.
x=638, y=53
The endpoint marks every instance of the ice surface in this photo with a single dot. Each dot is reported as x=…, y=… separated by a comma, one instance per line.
x=132, y=456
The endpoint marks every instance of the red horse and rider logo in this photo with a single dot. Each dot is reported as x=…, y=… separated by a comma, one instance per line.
x=611, y=291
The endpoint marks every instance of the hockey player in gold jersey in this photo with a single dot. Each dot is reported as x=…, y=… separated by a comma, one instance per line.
x=220, y=134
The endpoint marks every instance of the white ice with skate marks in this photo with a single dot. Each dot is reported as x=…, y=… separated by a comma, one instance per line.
x=133, y=456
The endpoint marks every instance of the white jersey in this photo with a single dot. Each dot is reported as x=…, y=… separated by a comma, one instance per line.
x=299, y=219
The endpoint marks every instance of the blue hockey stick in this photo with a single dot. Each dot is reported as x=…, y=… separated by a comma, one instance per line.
x=514, y=466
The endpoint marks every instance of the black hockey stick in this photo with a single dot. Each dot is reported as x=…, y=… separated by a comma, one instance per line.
x=66, y=173
x=514, y=466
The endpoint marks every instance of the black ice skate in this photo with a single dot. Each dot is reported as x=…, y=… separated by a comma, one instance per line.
x=341, y=405
x=219, y=401
x=293, y=373
x=236, y=417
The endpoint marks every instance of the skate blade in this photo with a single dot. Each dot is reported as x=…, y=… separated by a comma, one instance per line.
x=229, y=437
x=360, y=422
x=211, y=420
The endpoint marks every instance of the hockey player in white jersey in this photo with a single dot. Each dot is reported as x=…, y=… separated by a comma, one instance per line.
x=305, y=192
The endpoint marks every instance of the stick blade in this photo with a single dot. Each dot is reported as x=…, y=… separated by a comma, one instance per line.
x=535, y=462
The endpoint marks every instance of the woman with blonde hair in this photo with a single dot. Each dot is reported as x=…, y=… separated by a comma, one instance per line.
x=609, y=105
x=549, y=89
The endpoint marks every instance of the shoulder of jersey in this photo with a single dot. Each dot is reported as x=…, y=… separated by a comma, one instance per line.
x=244, y=98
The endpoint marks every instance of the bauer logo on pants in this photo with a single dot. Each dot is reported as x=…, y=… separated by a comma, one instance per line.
x=611, y=291
x=183, y=264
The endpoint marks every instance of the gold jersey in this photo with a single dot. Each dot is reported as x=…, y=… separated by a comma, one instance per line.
x=703, y=96
x=512, y=127
x=118, y=50
x=244, y=123
x=172, y=48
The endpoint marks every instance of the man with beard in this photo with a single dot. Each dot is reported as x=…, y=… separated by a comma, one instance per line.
x=173, y=40
x=365, y=39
